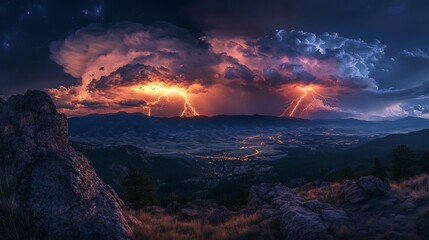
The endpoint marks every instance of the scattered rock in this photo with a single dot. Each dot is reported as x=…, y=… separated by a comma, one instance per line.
x=364, y=189
x=55, y=182
x=373, y=185
x=298, y=218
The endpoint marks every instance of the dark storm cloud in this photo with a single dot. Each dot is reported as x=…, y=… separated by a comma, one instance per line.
x=132, y=52
x=419, y=91
x=113, y=58
x=92, y=104
x=355, y=57
x=104, y=56
x=286, y=57
x=408, y=68
x=97, y=105
x=127, y=54
x=128, y=75
x=27, y=28
x=132, y=103
x=238, y=71
x=87, y=104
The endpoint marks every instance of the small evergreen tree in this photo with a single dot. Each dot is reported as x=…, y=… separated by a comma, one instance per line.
x=378, y=170
x=424, y=162
x=345, y=173
x=139, y=189
x=402, y=162
x=176, y=197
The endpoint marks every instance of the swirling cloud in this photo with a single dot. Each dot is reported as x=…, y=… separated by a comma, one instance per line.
x=129, y=66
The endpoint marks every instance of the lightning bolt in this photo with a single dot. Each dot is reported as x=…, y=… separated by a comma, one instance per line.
x=154, y=103
x=164, y=92
x=187, y=107
x=306, y=92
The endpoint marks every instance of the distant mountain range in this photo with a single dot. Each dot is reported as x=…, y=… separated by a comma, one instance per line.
x=136, y=123
x=382, y=147
x=326, y=165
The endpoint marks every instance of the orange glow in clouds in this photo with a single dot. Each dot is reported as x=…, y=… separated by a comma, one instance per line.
x=163, y=92
x=309, y=97
x=305, y=90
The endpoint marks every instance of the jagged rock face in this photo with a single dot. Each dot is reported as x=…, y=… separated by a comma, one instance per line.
x=54, y=181
x=364, y=189
x=298, y=218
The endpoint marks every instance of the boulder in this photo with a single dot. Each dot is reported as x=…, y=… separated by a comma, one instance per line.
x=297, y=218
x=364, y=189
x=56, y=183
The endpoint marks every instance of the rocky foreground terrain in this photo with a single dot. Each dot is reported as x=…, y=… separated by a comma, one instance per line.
x=367, y=208
x=56, y=185
x=53, y=189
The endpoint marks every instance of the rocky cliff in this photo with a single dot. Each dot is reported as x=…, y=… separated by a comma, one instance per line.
x=56, y=183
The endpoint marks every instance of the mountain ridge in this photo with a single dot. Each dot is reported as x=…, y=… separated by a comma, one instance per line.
x=248, y=117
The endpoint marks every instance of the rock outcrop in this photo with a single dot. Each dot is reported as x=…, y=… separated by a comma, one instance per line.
x=54, y=181
x=297, y=218
x=365, y=188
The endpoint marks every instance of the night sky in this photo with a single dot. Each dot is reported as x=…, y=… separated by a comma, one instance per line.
x=313, y=59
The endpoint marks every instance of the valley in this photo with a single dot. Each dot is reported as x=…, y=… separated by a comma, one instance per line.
x=216, y=158
x=232, y=138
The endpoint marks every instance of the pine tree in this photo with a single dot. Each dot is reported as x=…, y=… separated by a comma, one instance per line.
x=402, y=162
x=424, y=162
x=378, y=170
x=345, y=173
x=139, y=189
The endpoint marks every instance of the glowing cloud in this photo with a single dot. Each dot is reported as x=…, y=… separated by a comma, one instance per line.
x=309, y=98
x=164, y=92
x=164, y=70
x=297, y=103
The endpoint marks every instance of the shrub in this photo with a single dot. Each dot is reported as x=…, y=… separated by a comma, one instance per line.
x=345, y=173
x=139, y=189
x=424, y=162
x=403, y=165
x=378, y=169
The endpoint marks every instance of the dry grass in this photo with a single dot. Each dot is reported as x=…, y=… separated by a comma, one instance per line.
x=15, y=220
x=7, y=180
x=164, y=226
x=416, y=188
x=329, y=193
